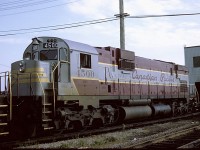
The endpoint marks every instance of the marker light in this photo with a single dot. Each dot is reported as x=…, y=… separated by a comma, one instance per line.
x=21, y=66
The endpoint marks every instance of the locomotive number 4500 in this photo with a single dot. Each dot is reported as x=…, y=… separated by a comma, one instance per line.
x=50, y=45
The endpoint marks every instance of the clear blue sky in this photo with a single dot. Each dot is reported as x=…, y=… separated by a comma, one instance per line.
x=154, y=38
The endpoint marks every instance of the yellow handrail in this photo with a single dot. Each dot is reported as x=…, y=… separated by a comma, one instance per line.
x=54, y=94
x=42, y=90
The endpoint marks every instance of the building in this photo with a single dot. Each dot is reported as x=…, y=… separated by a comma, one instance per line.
x=192, y=62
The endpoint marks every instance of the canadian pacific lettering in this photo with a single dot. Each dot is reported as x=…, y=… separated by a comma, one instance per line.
x=144, y=77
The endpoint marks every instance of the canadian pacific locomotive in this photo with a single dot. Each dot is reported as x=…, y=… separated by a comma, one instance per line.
x=64, y=85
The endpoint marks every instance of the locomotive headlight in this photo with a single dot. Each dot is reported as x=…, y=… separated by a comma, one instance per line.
x=21, y=66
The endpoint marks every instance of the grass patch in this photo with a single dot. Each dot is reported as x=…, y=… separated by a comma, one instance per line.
x=103, y=141
x=64, y=145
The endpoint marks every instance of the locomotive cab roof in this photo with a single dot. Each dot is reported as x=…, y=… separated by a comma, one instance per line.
x=52, y=43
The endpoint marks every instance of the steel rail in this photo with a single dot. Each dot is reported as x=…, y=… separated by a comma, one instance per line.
x=71, y=135
x=164, y=136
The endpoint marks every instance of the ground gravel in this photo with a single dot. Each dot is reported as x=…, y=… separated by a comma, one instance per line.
x=117, y=139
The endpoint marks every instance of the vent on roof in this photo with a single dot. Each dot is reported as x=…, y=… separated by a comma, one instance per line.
x=126, y=65
x=127, y=60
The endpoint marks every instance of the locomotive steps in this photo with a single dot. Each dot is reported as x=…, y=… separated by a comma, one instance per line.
x=3, y=116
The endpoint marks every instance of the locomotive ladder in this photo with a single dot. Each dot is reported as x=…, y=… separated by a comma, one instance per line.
x=47, y=110
x=4, y=115
x=48, y=103
x=5, y=103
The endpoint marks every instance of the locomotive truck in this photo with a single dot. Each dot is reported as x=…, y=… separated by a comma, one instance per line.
x=67, y=85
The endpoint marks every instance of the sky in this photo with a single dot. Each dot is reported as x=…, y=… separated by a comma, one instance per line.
x=161, y=38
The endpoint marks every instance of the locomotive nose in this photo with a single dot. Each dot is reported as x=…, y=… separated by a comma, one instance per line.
x=29, y=77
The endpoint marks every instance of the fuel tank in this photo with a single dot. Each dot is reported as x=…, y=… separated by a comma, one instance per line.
x=134, y=112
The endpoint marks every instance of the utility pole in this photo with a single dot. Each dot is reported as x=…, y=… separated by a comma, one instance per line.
x=122, y=15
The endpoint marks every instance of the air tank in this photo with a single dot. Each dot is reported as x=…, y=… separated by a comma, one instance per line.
x=161, y=110
x=134, y=112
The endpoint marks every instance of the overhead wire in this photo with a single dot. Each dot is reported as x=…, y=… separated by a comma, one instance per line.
x=59, y=27
x=83, y=23
x=30, y=4
x=13, y=2
x=76, y=23
x=169, y=15
x=39, y=9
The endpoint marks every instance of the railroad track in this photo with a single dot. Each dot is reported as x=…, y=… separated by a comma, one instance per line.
x=183, y=137
x=193, y=144
x=84, y=133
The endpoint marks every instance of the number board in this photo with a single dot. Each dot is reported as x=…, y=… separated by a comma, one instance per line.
x=50, y=45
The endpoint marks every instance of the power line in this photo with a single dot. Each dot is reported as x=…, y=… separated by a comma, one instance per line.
x=170, y=15
x=39, y=9
x=52, y=26
x=13, y=2
x=73, y=25
x=143, y=16
x=84, y=23
x=26, y=5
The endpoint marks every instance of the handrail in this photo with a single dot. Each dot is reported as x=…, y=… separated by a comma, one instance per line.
x=42, y=90
x=192, y=88
x=5, y=76
x=10, y=95
x=52, y=79
x=54, y=93
x=7, y=89
x=197, y=94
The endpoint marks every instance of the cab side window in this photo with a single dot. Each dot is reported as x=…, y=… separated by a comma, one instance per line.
x=64, y=56
x=85, y=60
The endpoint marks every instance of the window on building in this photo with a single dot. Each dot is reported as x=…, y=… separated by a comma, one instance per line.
x=85, y=60
x=196, y=61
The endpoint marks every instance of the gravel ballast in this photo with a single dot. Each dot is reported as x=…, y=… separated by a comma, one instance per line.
x=118, y=139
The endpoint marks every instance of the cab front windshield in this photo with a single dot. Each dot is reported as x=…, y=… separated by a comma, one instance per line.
x=48, y=55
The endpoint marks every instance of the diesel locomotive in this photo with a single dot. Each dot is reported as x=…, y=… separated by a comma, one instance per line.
x=66, y=85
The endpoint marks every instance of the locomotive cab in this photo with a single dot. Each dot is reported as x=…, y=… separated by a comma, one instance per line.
x=35, y=81
x=45, y=61
x=51, y=50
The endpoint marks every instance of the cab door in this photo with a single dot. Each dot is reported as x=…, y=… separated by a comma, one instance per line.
x=64, y=71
